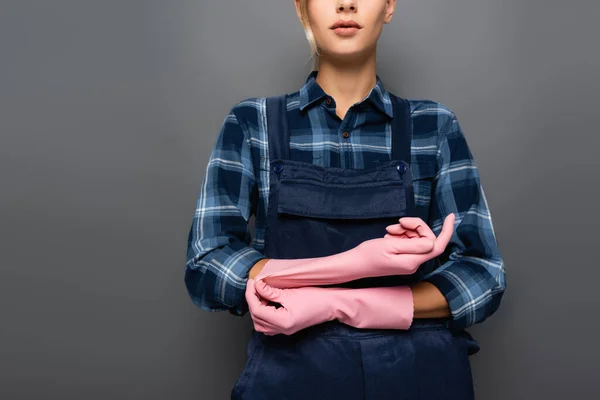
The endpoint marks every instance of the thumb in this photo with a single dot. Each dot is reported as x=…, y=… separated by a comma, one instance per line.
x=444, y=237
x=267, y=292
x=414, y=246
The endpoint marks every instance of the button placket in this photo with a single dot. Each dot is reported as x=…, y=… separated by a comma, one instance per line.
x=345, y=128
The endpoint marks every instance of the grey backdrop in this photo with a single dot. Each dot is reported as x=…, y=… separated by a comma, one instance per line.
x=109, y=110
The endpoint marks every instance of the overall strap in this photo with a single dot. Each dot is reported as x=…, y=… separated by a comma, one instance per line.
x=401, y=129
x=278, y=135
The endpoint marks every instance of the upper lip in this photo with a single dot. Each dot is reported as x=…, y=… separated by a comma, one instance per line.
x=346, y=24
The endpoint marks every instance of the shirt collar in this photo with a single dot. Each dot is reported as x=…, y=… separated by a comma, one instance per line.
x=311, y=92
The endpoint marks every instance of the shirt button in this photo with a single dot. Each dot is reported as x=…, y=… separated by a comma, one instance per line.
x=328, y=101
x=346, y=134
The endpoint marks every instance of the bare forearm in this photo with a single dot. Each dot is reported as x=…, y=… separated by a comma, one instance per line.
x=429, y=301
x=255, y=270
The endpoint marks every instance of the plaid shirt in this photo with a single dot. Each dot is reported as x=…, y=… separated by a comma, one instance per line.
x=235, y=186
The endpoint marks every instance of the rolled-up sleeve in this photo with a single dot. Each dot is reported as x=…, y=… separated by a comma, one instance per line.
x=470, y=273
x=219, y=255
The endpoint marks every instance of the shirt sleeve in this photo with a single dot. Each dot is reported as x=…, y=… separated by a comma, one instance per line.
x=470, y=273
x=219, y=255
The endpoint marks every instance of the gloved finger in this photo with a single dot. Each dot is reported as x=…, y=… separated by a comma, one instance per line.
x=412, y=246
x=399, y=230
x=268, y=292
x=280, y=318
x=412, y=234
x=260, y=281
x=267, y=313
x=273, y=320
x=259, y=326
x=263, y=316
x=402, y=236
x=396, y=229
x=444, y=237
x=267, y=329
x=272, y=297
x=263, y=326
x=256, y=305
x=416, y=224
x=252, y=298
x=263, y=301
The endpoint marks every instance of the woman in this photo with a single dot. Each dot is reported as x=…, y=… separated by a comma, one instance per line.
x=352, y=294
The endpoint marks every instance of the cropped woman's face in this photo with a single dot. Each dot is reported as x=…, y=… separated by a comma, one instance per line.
x=348, y=29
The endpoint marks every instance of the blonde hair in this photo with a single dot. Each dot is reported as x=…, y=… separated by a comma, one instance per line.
x=309, y=34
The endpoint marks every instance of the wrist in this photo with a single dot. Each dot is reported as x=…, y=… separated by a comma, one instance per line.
x=375, y=307
x=410, y=302
x=257, y=268
x=341, y=303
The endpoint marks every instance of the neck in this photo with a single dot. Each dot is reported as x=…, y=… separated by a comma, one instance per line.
x=346, y=81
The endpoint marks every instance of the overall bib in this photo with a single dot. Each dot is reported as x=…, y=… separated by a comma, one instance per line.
x=316, y=211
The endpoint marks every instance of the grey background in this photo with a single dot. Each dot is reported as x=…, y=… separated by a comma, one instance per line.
x=109, y=110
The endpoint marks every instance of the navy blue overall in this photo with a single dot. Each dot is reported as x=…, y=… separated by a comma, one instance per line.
x=317, y=211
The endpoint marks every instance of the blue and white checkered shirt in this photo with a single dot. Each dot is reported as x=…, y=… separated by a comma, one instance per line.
x=235, y=186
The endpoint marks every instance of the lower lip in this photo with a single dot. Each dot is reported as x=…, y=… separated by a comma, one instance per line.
x=345, y=31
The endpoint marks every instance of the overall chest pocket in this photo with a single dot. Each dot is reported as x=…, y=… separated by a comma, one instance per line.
x=318, y=221
x=319, y=213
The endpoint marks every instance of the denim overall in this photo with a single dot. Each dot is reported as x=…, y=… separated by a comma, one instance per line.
x=317, y=211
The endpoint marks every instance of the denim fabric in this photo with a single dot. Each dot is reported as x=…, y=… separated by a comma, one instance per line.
x=333, y=361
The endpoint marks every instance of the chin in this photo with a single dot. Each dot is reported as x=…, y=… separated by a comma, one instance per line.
x=348, y=54
x=348, y=48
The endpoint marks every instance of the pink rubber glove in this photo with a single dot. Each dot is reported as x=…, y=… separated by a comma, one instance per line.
x=271, y=320
x=400, y=252
x=376, y=307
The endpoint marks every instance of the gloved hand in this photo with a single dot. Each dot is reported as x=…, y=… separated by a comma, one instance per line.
x=400, y=252
x=375, y=307
x=310, y=307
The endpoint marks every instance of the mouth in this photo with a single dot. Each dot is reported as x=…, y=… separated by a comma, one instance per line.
x=344, y=24
x=346, y=28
